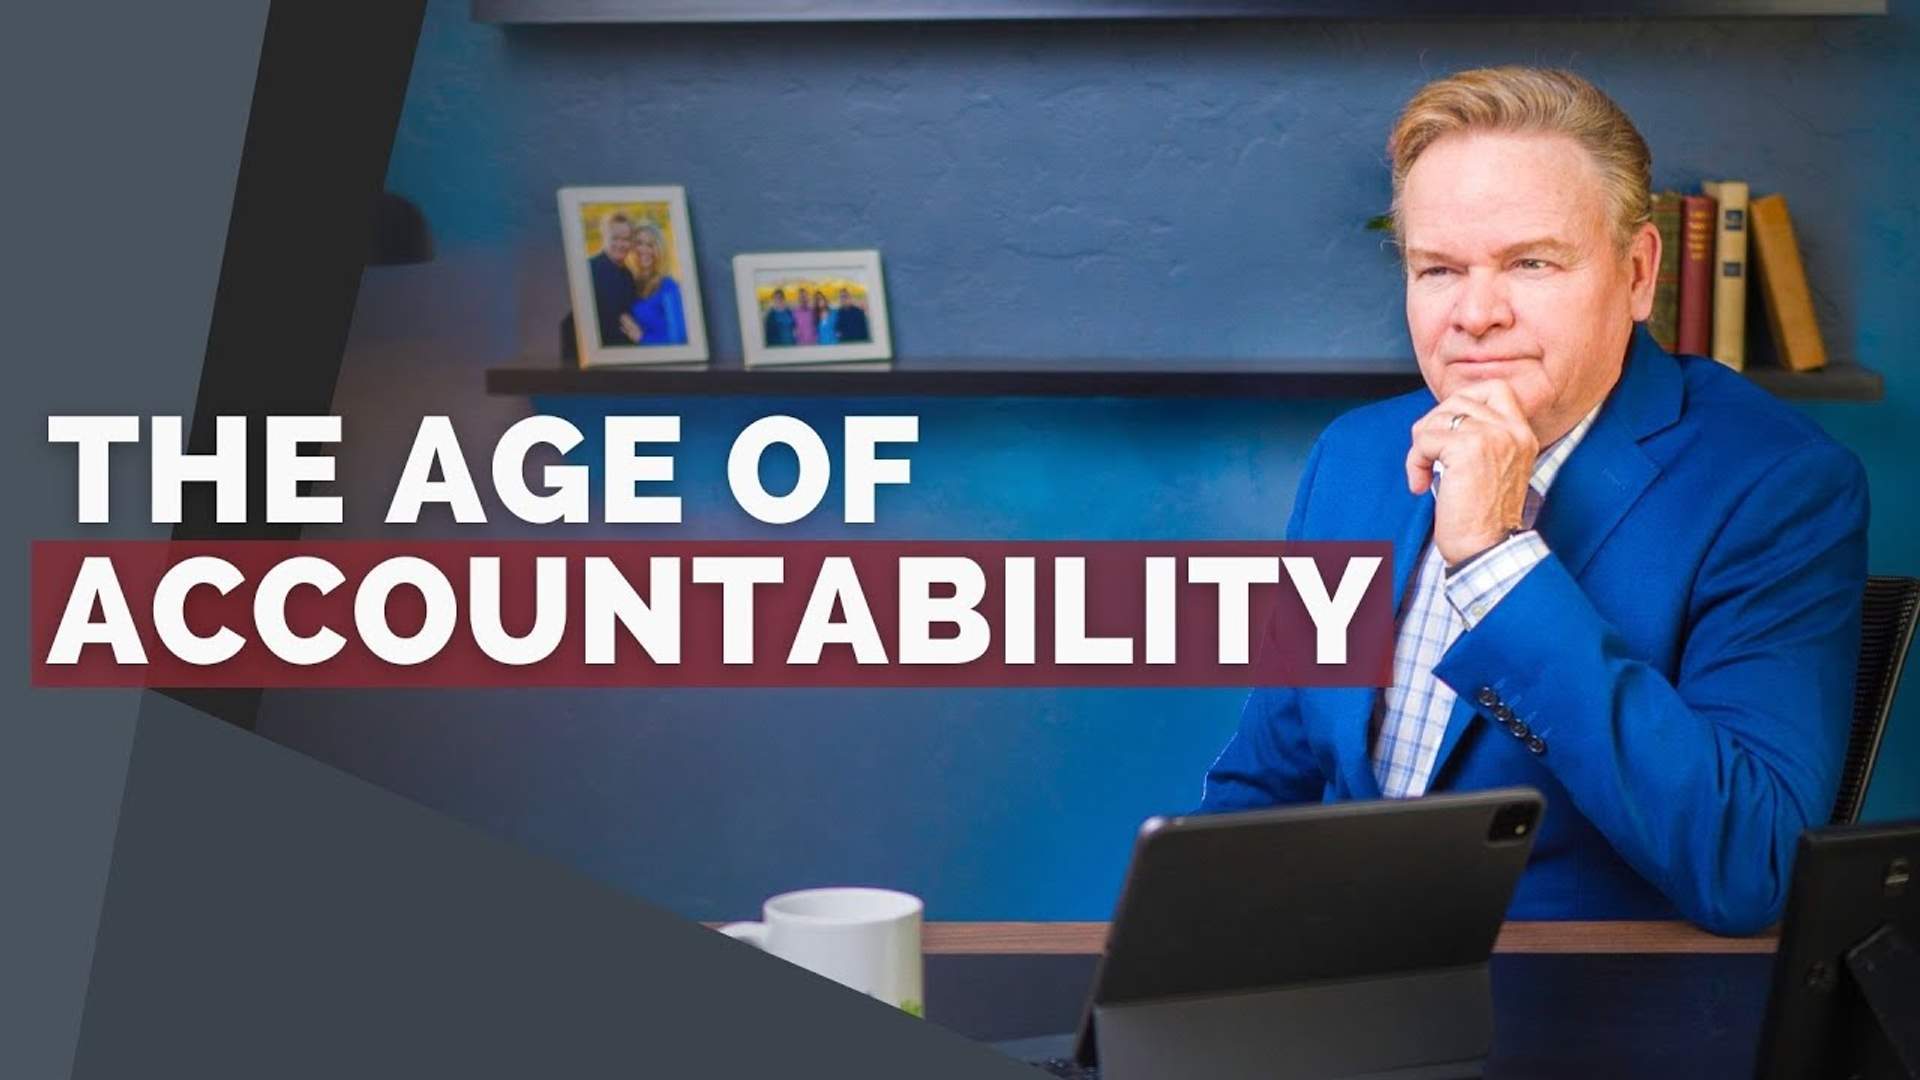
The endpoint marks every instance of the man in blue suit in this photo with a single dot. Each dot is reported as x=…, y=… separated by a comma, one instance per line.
x=1629, y=579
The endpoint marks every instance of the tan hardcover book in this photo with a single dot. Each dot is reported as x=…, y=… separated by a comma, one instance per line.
x=1729, y=272
x=1781, y=279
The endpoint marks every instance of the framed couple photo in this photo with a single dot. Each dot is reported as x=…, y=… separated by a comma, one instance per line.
x=635, y=289
x=812, y=307
x=631, y=275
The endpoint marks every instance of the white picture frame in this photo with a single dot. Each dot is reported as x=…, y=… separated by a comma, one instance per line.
x=670, y=310
x=856, y=272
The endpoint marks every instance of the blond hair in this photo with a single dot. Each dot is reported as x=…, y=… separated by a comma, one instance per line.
x=645, y=283
x=1536, y=101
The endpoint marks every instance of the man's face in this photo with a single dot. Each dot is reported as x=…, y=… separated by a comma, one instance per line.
x=619, y=241
x=1513, y=274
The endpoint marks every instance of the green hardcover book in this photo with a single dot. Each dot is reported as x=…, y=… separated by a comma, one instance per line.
x=1665, y=321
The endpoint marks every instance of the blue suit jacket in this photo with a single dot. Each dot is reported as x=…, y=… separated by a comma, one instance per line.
x=1686, y=652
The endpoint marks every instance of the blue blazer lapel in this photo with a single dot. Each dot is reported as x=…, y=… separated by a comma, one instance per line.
x=1349, y=718
x=1600, y=482
x=1458, y=721
x=1608, y=471
x=1410, y=542
x=1407, y=552
x=1350, y=710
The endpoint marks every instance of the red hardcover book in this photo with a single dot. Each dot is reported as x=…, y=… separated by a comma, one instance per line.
x=1697, y=227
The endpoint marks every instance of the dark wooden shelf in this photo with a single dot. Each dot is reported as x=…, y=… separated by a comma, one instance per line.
x=524, y=12
x=953, y=382
x=1835, y=382
x=1846, y=382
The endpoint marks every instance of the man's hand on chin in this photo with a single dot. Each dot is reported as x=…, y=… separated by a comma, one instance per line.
x=1480, y=449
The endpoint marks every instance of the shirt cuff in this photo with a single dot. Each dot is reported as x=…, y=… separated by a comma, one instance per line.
x=1480, y=584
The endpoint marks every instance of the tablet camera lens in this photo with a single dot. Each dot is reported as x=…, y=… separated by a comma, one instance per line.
x=1511, y=822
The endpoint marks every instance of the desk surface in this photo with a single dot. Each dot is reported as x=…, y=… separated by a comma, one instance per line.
x=1005, y=938
x=1570, y=999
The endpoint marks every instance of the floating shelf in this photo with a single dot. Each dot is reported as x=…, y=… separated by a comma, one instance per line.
x=524, y=12
x=1840, y=382
x=1835, y=382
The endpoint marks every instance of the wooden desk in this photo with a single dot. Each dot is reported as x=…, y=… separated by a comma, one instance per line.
x=1570, y=999
x=1069, y=938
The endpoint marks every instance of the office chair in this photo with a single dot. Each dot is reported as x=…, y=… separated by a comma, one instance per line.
x=1888, y=612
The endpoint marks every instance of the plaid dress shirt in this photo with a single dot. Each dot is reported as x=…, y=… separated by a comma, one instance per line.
x=1410, y=717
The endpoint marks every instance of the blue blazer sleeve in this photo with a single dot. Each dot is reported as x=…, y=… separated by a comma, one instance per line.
x=1268, y=760
x=1703, y=783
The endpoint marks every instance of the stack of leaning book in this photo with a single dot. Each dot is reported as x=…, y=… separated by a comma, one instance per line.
x=1708, y=244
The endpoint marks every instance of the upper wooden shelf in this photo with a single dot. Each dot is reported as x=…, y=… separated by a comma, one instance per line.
x=1384, y=378
x=1835, y=382
x=833, y=11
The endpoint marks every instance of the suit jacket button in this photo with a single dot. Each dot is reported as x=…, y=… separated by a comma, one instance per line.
x=1522, y=731
x=1487, y=697
x=1505, y=714
x=1537, y=744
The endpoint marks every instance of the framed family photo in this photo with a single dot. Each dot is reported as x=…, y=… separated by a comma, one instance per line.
x=812, y=307
x=631, y=275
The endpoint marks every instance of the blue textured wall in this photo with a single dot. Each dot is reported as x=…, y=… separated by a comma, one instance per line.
x=1171, y=192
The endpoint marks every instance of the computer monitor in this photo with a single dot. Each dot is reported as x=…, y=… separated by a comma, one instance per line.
x=1846, y=983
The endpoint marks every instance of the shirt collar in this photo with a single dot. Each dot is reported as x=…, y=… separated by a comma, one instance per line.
x=1547, y=465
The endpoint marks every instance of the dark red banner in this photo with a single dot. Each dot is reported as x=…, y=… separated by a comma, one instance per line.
x=807, y=613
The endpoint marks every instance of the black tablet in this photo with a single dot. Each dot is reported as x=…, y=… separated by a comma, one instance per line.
x=1352, y=923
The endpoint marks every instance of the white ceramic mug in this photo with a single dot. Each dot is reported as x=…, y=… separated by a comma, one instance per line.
x=867, y=939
